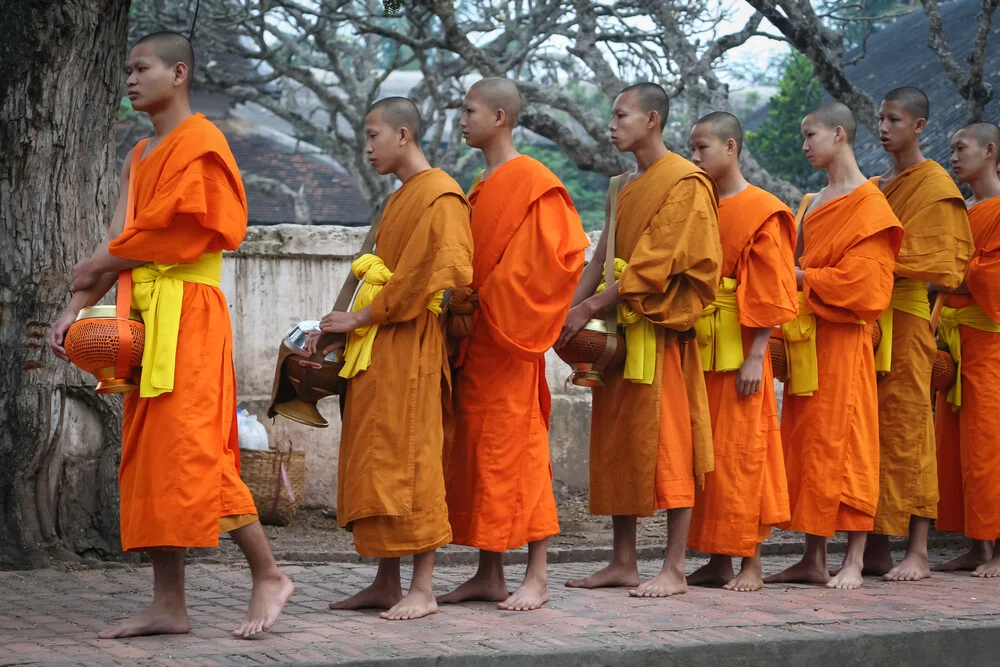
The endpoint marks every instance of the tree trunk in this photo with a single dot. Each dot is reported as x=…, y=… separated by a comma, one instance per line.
x=61, y=64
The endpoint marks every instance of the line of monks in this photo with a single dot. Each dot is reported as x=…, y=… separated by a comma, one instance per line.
x=445, y=423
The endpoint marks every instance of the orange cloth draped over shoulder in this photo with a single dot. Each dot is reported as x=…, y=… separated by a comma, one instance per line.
x=747, y=493
x=391, y=492
x=529, y=252
x=937, y=244
x=180, y=450
x=649, y=443
x=830, y=439
x=967, y=451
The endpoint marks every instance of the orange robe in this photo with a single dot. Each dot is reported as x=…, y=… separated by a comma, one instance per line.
x=968, y=455
x=180, y=450
x=391, y=492
x=937, y=244
x=830, y=439
x=529, y=253
x=647, y=440
x=747, y=493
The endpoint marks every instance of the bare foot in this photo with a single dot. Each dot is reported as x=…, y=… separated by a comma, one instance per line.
x=530, y=595
x=848, y=578
x=877, y=564
x=748, y=580
x=158, y=619
x=970, y=560
x=988, y=570
x=716, y=572
x=375, y=596
x=266, y=602
x=802, y=572
x=477, y=588
x=614, y=575
x=913, y=568
x=663, y=585
x=416, y=604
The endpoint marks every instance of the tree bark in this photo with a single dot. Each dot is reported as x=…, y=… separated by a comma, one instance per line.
x=61, y=64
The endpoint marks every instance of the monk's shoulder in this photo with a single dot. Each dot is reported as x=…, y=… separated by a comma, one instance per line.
x=763, y=201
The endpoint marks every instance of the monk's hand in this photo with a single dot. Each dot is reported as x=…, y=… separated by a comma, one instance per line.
x=57, y=334
x=84, y=276
x=339, y=322
x=575, y=319
x=750, y=376
x=312, y=343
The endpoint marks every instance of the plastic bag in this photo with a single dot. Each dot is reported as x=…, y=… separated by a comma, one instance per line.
x=252, y=433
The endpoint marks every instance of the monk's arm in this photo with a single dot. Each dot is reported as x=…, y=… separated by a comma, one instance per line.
x=940, y=252
x=766, y=291
x=982, y=281
x=858, y=286
x=593, y=272
x=751, y=374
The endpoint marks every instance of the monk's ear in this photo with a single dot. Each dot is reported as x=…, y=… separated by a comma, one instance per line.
x=404, y=135
x=499, y=117
x=181, y=74
x=653, y=120
x=731, y=146
x=921, y=125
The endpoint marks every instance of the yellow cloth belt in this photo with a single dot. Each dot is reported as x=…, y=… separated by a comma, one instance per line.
x=640, y=338
x=720, y=336
x=909, y=296
x=158, y=293
x=972, y=316
x=800, y=351
x=374, y=274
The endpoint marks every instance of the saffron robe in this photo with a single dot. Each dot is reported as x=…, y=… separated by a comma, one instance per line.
x=647, y=440
x=747, y=493
x=179, y=471
x=967, y=451
x=529, y=248
x=937, y=244
x=391, y=492
x=830, y=439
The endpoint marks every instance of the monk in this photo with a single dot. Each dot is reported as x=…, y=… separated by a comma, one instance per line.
x=967, y=416
x=829, y=424
x=650, y=439
x=937, y=244
x=180, y=205
x=529, y=253
x=391, y=493
x=747, y=493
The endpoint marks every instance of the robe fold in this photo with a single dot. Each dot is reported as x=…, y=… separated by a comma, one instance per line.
x=830, y=438
x=937, y=244
x=648, y=440
x=179, y=473
x=747, y=493
x=967, y=451
x=529, y=248
x=391, y=493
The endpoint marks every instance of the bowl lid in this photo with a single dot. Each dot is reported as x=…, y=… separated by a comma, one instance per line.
x=105, y=312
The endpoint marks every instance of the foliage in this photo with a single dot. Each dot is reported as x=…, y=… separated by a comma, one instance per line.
x=778, y=143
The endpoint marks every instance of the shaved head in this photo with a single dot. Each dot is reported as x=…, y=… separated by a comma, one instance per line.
x=913, y=100
x=837, y=114
x=984, y=133
x=500, y=93
x=171, y=48
x=725, y=126
x=400, y=112
x=651, y=98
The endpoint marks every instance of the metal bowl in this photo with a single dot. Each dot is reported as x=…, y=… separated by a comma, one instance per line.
x=298, y=335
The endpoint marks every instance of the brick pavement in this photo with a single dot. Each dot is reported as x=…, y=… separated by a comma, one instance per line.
x=51, y=617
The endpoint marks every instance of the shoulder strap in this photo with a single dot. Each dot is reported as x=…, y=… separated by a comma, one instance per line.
x=123, y=300
x=611, y=313
x=799, y=219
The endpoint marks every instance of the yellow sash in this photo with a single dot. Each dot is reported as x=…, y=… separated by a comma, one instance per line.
x=158, y=293
x=909, y=296
x=972, y=316
x=720, y=336
x=358, y=352
x=800, y=352
x=640, y=338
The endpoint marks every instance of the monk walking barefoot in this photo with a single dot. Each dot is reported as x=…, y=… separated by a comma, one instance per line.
x=391, y=493
x=181, y=204
x=747, y=493
x=848, y=237
x=937, y=245
x=967, y=417
x=650, y=439
x=529, y=252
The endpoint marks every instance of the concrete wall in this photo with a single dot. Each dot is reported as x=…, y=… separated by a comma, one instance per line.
x=288, y=273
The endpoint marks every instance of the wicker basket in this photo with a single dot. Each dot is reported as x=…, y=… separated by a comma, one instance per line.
x=945, y=372
x=276, y=480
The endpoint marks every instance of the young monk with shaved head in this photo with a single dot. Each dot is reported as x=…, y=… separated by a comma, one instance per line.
x=650, y=439
x=529, y=252
x=180, y=205
x=391, y=494
x=937, y=244
x=967, y=417
x=747, y=492
x=829, y=423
